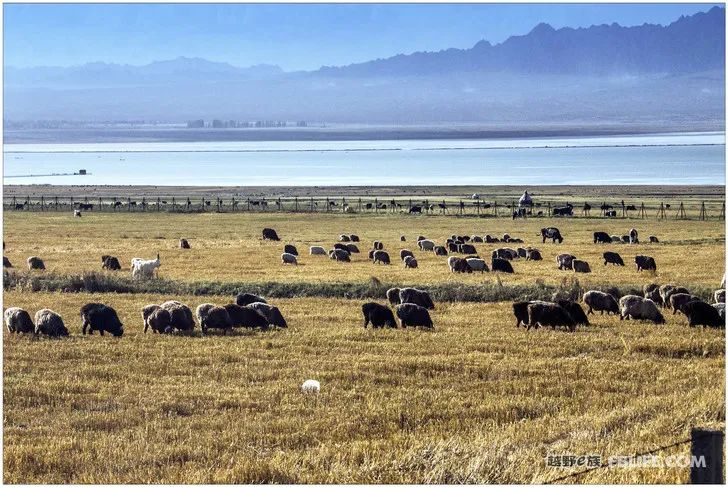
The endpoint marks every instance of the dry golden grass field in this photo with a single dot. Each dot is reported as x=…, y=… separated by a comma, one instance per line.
x=476, y=400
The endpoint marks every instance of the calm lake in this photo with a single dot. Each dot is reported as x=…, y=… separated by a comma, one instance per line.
x=678, y=158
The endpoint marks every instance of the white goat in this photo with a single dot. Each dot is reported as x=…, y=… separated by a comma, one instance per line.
x=144, y=268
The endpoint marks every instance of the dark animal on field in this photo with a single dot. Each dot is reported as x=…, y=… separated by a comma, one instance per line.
x=610, y=213
x=667, y=290
x=533, y=254
x=49, y=323
x=410, y=262
x=354, y=238
x=110, y=263
x=586, y=209
x=521, y=252
x=393, y=295
x=633, y=236
x=600, y=301
x=344, y=238
x=639, y=308
x=575, y=311
x=404, y=253
x=17, y=320
x=678, y=299
x=567, y=210
x=101, y=318
x=625, y=238
x=381, y=256
x=243, y=316
x=612, y=258
x=507, y=254
x=180, y=315
x=426, y=244
x=6, y=262
x=501, y=265
x=184, y=244
x=477, y=264
x=352, y=249
x=631, y=208
x=157, y=318
x=645, y=262
x=85, y=206
x=453, y=247
x=244, y=299
x=602, y=237
x=652, y=291
x=520, y=311
x=270, y=234
x=35, y=263
x=340, y=255
x=341, y=246
x=271, y=313
x=410, y=314
x=371, y=254
x=553, y=233
x=476, y=239
x=416, y=296
x=549, y=314
x=580, y=266
x=211, y=316
x=466, y=249
x=565, y=261
x=379, y=316
x=516, y=240
x=654, y=239
x=378, y=245
x=415, y=209
x=402, y=238
x=290, y=249
x=701, y=313
x=439, y=250
x=489, y=239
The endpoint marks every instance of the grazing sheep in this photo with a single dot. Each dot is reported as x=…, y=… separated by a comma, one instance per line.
x=271, y=313
x=144, y=268
x=565, y=261
x=678, y=299
x=520, y=311
x=410, y=262
x=416, y=296
x=599, y=301
x=35, y=263
x=184, y=244
x=344, y=238
x=553, y=233
x=211, y=316
x=602, y=237
x=354, y=238
x=6, y=262
x=288, y=259
x=477, y=265
x=244, y=299
x=246, y=317
x=352, y=249
x=575, y=311
x=379, y=316
x=402, y=238
x=654, y=239
x=633, y=236
x=506, y=238
x=270, y=234
x=290, y=249
x=719, y=296
x=721, y=310
x=101, y=318
x=426, y=244
x=533, y=254
x=378, y=245
x=507, y=254
x=616, y=239
x=381, y=256
x=17, y=320
x=180, y=315
x=49, y=323
x=110, y=263
x=371, y=254
x=613, y=258
x=701, y=313
x=668, y=290
x=580, y=266
x=476, y=239
x=458, y=264
x=410, y=314
x=405, y=253
x=421, y=237
x=639, y=308
x=652, y=291
x=317, y=250
x=393, y=295
x=645, y=262
x=549, y=314
x=501, y=265
x=625, y=238
x=452, y=246
x=439, y=250
x=466, y=249
x=521, y=252
x=339, y=255
x=341, y=246
x=157, y=318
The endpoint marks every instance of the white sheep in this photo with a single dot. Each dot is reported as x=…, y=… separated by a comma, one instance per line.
x=311, y=386
x=77, y=213
x=141, y=268
x=287, y=258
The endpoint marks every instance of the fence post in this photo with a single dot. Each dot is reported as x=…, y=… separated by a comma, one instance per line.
x=376, y=206
x=706, y=446
x=56, y=203
x=128, y=204
x=42, y=204
x=174, y=204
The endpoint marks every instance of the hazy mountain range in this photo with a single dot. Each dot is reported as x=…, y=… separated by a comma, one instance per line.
x=650, y=72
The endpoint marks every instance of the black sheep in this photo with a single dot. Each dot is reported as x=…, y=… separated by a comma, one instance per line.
x=410, y=314
x=6, y=262
x=602, y=237
x=613, y=258
x=270, y=234
x=244, y=299
x=290, y=249
x=520, y=311
x=549, y=314
x=501, y=265
x=701, y=313
x=379, y=315
x=101, y=318
x=245, y=317
x=575, y=311
x=645, y=262
x=110, y=262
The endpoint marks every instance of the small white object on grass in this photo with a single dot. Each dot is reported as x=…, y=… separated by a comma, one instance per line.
x=311, y=386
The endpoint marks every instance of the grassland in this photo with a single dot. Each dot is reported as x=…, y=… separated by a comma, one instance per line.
x=474, y=400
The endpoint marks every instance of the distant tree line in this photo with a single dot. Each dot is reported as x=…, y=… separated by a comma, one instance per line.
x=236, y=124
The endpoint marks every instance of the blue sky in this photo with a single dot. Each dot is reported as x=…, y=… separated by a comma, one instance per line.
x=293, y=36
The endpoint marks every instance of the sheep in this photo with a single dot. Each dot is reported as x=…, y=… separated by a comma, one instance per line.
x=354, y=238
x=344, y=238
x=701, y=313
x=49, y=323
x=243, y=316
x=580, y=266
x=144, y=268
x=616, y=239
x=410, y=314
x=244, y=299
x=110, y=263
x=476, y=239
x=625, y=238
x=6, y=262
x=501, y=265
x=549, y=314
x=317, y=250
x=393, y=295
x=290, y=249
x=288, y=259
x=678, y=299
x=645, y=262
x=271, y=313
x=466, y=249
x=212, y=316
x=613, y=258
x=180, y=315
x=639, y=308
x=270, y=234
x=416, y=296
x=521, y=252
x=381, y=256
x=101, y=318
x=439, y=250
x=667, y=290
x=379, y=316
x=402, y=238
x=17, y=320
x=654, y=239
x=520, y=311
x=339, y=255
x=371, y=254
x=719, y=296
x=452, y=246
x=405, y=253
x=721, y=310
x=602, y=237
x=552, y=233
x=35, y=263
x=341, y=246
x=352, y=249
x=652, y=291
x=458, y=264
x=633, y=236
x=600, y=301
x=77, y=213
x=184, y=244
x=533, y=254
x=505, y=253
x=410, y=262
x=427, y=245
x=157, y=318
x=477, y=265
x=421, y=237
x=378, y=245
x=575, y=311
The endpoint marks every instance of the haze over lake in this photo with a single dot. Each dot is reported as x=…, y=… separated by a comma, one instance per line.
x=678, y=158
